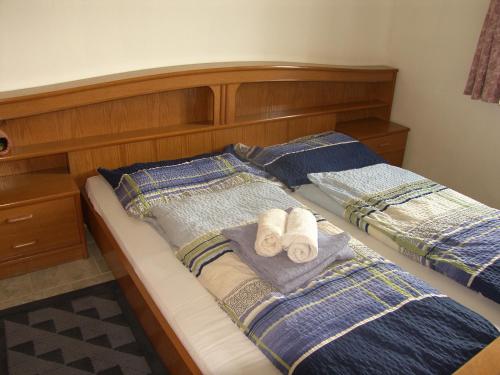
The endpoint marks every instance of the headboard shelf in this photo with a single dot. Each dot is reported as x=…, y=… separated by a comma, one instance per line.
x=311, y=111
x=50, y=148
x=60, y=147
x=177, y=112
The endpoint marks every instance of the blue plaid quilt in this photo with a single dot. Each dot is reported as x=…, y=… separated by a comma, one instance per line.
x=139, y=191
x=364, y=315
x=437, y=226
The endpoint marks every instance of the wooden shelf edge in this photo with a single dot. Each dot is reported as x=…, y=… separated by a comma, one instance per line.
x=314, y=111
x=374, y=124
x=173, y=71
x=64, y=146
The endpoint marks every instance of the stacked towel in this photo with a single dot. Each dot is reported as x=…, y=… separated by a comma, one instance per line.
x=279, y=271
x=271, y=227
x=301, y=236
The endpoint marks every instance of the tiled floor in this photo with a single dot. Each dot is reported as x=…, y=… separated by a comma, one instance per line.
x=56, y=280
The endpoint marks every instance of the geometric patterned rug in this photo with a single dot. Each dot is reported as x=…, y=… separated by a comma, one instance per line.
x=88, y=331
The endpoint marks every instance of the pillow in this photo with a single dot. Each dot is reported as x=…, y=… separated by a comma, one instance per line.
x=327, y=152
x=113, y=176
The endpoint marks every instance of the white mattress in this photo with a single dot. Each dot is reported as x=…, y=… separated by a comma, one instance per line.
x=211, y=338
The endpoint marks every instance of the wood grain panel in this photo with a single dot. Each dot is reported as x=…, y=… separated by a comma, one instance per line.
x=84, y=164
x=185, y=106
x=56, y=162
x=114, y=117
x=263, y=134
x=380, y=112
x=311, y=125
x=184, y=146
x=394, y=157
x=104, y=118
x=357, y=91
x=216, y=104
x=269, y=97
x=30, y=189
x=230, y=102
x=388, y=143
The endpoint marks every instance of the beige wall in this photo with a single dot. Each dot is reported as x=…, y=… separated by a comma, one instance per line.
x=47, y=41
x=453, y=140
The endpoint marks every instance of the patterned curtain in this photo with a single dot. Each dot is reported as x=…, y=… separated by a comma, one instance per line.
x=484, y=76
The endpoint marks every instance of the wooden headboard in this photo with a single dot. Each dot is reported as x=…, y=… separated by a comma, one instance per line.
x=176, y=112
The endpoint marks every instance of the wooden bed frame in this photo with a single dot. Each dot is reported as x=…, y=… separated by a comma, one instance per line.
x=177, y=112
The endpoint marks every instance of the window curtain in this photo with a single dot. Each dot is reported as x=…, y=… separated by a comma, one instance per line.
x=484, y=76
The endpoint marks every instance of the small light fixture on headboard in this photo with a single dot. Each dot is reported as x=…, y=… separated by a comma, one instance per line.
x=5, y=143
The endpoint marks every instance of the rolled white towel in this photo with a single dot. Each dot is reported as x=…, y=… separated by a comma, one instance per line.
x=271, y=227
x=300, y=240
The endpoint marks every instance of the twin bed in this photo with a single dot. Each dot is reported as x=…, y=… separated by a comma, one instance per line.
x=367, y=314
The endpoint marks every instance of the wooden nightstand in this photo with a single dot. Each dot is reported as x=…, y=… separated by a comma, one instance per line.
x=41, y=222
x=386, y=138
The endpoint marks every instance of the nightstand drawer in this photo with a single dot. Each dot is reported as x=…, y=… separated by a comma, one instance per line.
x=394, y=142
x=394, y=157
x=30, y=229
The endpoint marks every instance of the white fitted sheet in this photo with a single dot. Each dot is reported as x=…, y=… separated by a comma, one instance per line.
x=211, y=338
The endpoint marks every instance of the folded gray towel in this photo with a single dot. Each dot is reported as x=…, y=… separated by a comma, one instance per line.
x=280, y=271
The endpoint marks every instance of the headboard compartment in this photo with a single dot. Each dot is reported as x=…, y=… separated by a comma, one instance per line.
x=182, y=111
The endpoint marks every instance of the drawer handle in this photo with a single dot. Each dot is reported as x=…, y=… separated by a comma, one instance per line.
x=385, y=144
x=18, y=219
x=31, y=243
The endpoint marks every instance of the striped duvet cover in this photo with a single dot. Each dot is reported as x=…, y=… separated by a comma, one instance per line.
x=364, y=315
x=437, y=226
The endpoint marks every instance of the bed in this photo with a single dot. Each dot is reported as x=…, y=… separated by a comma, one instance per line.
x=171, y=113
x=149, y=266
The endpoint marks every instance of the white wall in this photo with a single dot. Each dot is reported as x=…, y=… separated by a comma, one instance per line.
x=453, y=140
x=48, y=41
